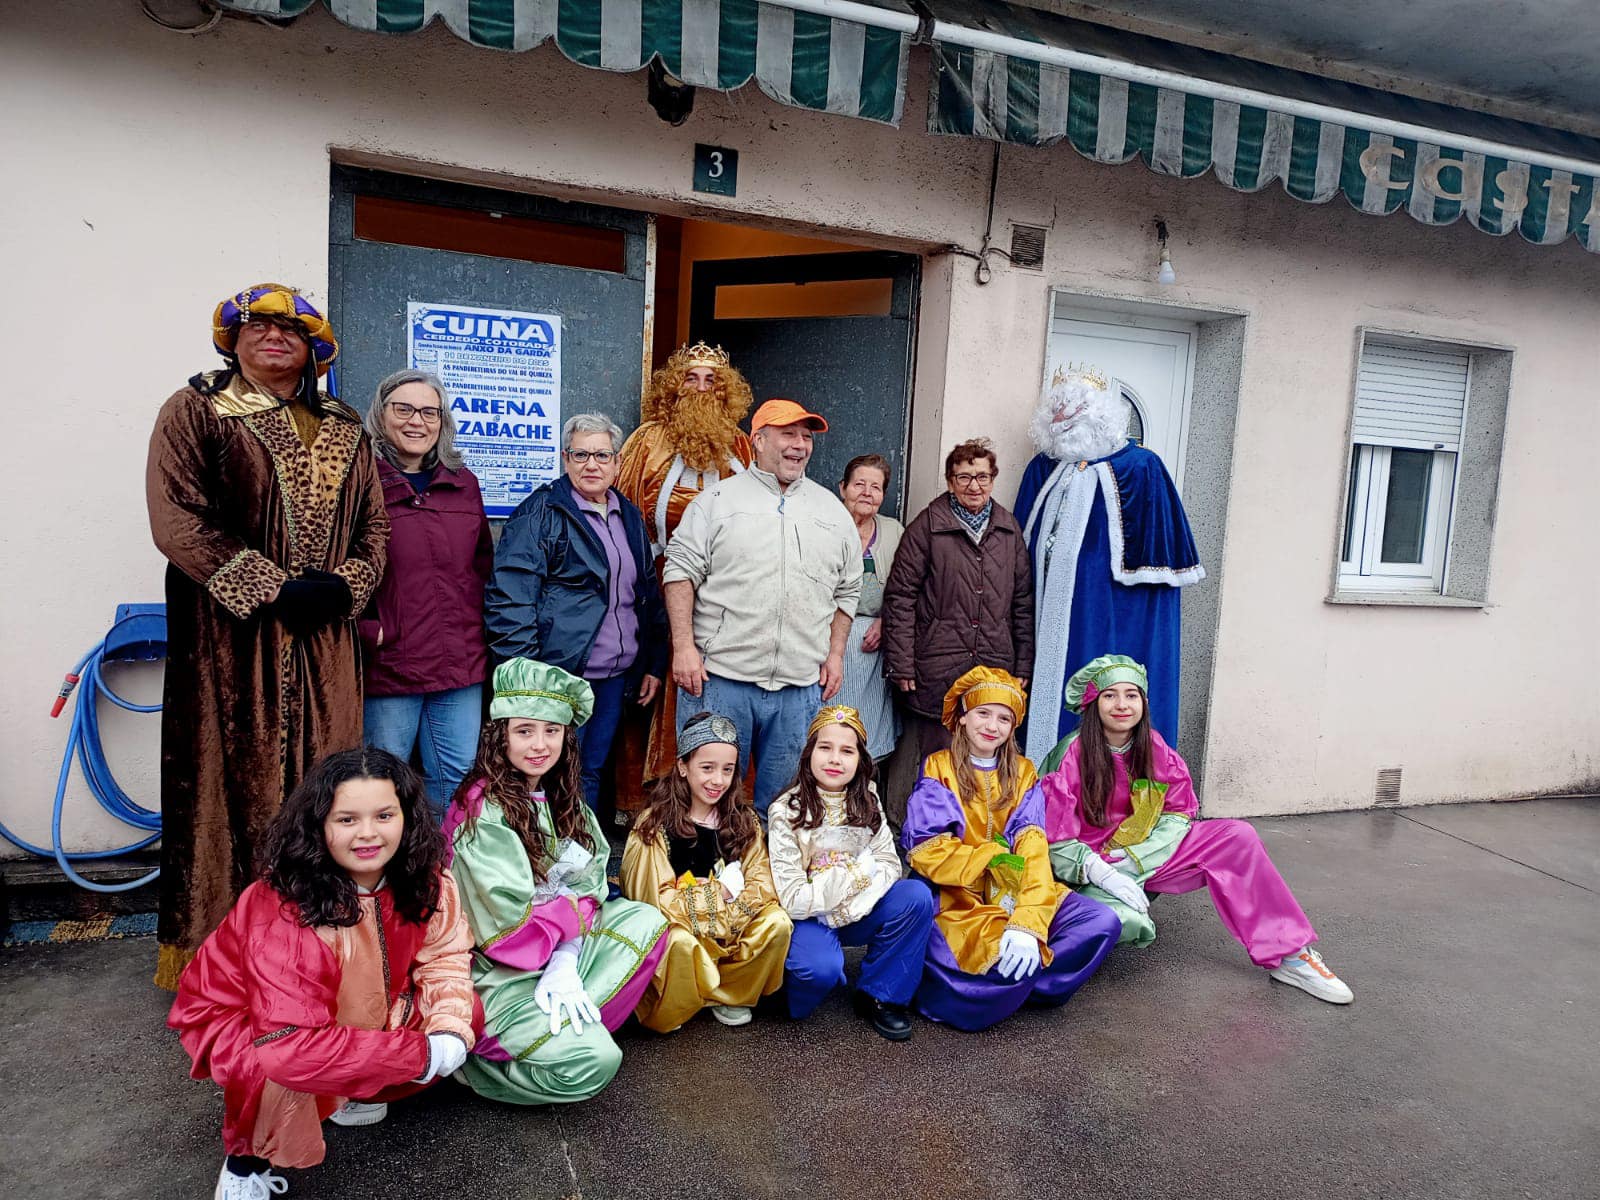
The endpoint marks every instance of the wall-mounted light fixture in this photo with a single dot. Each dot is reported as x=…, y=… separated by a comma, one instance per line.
x=1164, y=272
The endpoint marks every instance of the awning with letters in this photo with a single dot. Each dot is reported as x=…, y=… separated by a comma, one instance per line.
x=1018, y=75
x=846, y=57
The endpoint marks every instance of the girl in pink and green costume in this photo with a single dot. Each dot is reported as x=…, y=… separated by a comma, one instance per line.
x=1120, y=815
x=557, y=965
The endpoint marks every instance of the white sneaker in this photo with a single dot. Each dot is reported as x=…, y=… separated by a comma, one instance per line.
x=1309, y=973
x=731, y=1014
x=356, y=1113
x=248, y=1187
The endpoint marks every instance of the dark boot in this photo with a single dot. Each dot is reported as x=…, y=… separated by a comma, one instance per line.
x=892, y=1021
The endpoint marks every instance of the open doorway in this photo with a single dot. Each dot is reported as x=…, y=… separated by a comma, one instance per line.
x=818, y=321
x=823, y=322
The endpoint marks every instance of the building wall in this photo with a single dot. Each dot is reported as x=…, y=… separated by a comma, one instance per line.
x=150, y=173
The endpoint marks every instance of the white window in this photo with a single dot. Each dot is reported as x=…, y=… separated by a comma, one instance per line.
x=1411, y=401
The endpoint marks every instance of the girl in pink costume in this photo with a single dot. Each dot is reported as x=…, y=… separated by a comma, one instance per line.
x=1120, y=814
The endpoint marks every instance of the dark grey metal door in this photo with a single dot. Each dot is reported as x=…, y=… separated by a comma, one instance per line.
x=855, y=371
x=602, y=311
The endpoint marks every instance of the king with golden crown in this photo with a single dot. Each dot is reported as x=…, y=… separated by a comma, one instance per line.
x=688, y=438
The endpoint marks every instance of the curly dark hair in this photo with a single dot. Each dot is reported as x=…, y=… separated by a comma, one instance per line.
x=860, y=801
x=507, y=787
x=668, y=811
x=294, y=857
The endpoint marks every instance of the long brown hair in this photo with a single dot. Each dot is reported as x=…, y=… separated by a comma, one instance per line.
x=860, y=801
x=1095, y=766
x=668, y=812
x=1006, y=771
x=508, y=787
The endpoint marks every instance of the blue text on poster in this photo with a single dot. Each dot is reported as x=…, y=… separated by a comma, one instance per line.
x=502, y=376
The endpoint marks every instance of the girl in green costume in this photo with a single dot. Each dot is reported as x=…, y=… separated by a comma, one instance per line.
x=557, y=966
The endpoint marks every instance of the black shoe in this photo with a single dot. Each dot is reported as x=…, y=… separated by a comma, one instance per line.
x=892, y=1021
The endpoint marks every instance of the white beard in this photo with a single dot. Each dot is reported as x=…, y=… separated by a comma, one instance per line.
x=1099, y=430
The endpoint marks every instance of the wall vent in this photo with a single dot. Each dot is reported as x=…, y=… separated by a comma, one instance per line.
x=1387, y=790
x=1027, y=247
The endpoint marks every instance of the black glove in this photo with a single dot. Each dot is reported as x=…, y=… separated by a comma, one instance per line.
x=315, y=599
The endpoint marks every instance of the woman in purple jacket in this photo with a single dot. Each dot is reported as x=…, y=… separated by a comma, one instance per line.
x=426, y=656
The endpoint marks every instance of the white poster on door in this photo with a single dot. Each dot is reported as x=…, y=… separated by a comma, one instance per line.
x=502, y=376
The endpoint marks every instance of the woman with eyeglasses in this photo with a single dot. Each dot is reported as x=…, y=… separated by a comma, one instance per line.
x=574, y=586
x=960, y=595
x=426, y=656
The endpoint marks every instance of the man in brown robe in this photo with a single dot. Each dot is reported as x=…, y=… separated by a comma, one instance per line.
x=264, y=497
x=689, y=438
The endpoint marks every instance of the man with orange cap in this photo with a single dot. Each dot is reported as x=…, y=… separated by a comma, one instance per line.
x=762, y=578
x=264, y=497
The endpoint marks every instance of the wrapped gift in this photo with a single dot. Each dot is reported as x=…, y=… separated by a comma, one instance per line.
x=835, y=845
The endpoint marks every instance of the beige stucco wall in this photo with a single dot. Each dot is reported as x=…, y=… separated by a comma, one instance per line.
x=149, y=173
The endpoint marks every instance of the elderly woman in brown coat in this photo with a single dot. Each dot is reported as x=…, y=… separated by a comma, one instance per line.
x=960, y=595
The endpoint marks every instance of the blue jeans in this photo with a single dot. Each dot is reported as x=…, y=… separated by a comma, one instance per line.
x=444, y=724
x=895, y=933
x=772, y=726
x=597, y=733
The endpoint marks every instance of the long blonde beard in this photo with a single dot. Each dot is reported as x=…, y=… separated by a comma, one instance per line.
x=701, y=430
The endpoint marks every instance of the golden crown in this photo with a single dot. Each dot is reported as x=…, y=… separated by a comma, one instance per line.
x=1092, y=375
x=702, y=355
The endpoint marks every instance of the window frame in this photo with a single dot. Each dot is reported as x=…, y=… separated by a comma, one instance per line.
x=1361, y=567
x=1358, y=568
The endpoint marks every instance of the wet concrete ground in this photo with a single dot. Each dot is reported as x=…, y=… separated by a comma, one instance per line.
x=1469, y=1065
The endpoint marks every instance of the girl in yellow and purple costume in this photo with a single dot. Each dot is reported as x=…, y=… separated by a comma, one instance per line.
x=1006, y=932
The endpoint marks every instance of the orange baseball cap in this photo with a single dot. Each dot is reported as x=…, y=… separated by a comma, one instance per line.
x=785, y=412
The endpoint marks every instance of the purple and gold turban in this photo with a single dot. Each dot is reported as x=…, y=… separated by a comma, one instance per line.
x=281, y=303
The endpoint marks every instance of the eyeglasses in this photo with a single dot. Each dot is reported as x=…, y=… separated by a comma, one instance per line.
x=967, y=479
x=582, y=456
x=430, y=414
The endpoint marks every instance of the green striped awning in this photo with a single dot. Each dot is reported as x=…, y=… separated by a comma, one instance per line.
x=1015, y=97
x=855, y=68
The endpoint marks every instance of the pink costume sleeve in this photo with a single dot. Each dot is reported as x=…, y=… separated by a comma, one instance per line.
x=1061, y=790
x=1168, y=767
x=496, y=884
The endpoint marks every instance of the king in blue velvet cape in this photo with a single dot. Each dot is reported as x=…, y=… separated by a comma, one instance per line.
x=1136, y=552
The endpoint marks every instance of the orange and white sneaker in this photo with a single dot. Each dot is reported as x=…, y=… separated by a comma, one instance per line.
x=1306, y=971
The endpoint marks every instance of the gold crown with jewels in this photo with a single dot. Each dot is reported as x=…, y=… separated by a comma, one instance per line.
x=702, y=355
x=1090, y=374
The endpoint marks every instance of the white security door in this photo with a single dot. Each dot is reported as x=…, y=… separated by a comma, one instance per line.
x=1153, y=360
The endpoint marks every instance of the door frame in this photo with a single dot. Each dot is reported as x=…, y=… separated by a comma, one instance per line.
x=901, y=267
x=346, y=182
x=1071, y=307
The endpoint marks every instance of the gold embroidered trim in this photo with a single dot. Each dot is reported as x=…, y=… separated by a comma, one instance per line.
x=510, y=929
x=275, y=1035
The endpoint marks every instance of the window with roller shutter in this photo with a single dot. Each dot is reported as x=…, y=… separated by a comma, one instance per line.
x=1410, y=410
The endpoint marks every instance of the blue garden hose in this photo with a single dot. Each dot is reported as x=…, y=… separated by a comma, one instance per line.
x=139, y=632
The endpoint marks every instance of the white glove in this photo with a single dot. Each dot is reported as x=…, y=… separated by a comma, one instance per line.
x=560, y=994
x=1019, y=954
x=446, y=1053
x=869, y=863
x=732, y=878
x=570, y=865
x=1105, y=876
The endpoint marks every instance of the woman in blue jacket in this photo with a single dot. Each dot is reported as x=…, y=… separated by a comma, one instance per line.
x=574, y=586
